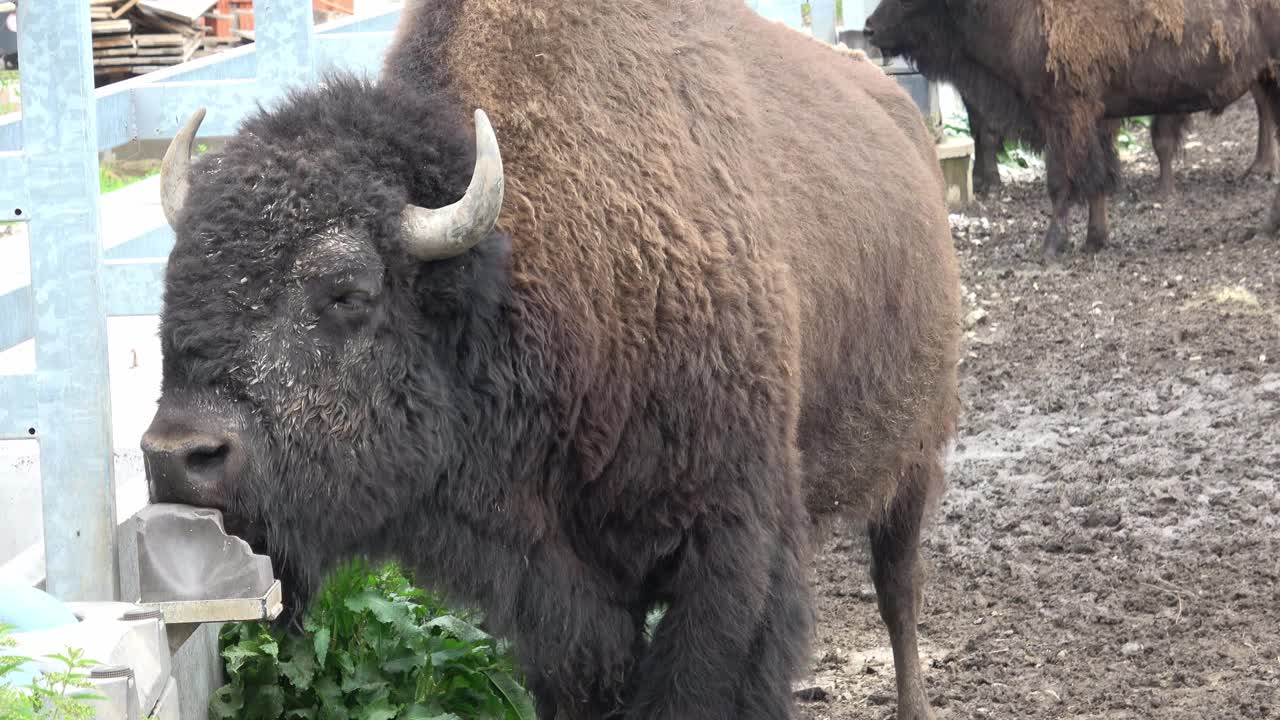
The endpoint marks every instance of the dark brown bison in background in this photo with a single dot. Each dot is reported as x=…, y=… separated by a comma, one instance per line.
x=1071, y=69
x=1167, y=134
x=619, y=351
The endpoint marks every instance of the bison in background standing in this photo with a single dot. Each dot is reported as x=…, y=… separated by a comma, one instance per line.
x=1070, y=70
x=1167, y=135
x=617, y=350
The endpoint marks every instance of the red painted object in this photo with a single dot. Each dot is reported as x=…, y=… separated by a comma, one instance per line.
x=340, y=6
x=243, y=12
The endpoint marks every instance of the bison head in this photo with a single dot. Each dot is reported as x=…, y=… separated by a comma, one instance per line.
x=319, y=308
x=909, y=27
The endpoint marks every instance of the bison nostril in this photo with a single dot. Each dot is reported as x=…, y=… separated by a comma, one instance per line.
x=190, y=465
x=205, y=460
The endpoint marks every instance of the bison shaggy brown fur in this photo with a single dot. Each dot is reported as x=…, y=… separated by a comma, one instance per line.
x=1071, y=68
x=720, y=302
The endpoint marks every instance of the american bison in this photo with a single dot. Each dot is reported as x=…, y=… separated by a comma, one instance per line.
x=624, y=346
x=1070, y=70
x=1167, y=134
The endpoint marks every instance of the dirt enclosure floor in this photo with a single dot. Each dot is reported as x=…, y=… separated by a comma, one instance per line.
x=1109, y=545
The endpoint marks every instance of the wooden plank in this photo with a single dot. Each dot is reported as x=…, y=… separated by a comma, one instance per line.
x=112, y=41
x=157, y=57
x=112, y=61
x=124, y=8
x=148, y=19
x=162, y=39
x=116, y=52
x=185, y=10
x=107, y=27
x=178, y=52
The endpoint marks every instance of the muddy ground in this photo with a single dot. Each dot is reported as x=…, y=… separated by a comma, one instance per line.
x=1109, y=545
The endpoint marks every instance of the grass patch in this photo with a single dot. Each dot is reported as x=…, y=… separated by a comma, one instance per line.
x=111, y=178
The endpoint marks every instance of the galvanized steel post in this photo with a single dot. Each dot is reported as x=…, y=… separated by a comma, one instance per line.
x=285, y=38
x=60, y=142
x=822, y=19
x=787, y=11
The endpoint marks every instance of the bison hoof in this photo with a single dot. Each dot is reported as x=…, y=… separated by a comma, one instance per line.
x=1262, y=169
x=986, y=188
x=918, y=710
x=1054, y=245
x=1095, y=243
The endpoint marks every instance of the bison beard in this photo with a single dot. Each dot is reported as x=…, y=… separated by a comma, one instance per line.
x=699, y=325
x=1070, y=70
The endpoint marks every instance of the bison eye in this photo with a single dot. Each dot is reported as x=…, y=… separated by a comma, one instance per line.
x=346, y=312
x=355, y=301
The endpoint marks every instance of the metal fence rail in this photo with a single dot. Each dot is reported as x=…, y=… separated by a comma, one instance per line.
x=49, y=162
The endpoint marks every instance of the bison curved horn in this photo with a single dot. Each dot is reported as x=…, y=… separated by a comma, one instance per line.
x=436, y=234
x=175, y=166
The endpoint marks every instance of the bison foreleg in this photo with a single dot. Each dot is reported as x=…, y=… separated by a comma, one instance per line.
x=1055, y=238
x=782, y=640
x=575, y=643
x=1099, y=225
x=1081, y=163
x=895, y=554
x=986, y=148
x=718, y=632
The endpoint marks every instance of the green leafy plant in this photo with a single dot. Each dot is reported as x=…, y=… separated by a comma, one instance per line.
x=806, y=13
x=10, y=92
x=374, y=647
x=1011, y=153
x=60, y=694
x=1125, y=137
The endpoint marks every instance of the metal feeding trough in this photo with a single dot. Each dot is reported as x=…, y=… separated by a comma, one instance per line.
x=193, y=572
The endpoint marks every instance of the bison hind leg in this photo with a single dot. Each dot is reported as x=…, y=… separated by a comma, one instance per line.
x=1167, y=135
x=896, y=572
x=1271, y=93
x=1264, y=162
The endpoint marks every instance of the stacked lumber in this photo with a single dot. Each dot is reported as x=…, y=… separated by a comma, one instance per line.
x=132, y=37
